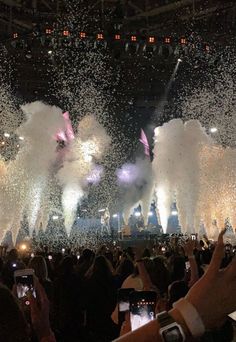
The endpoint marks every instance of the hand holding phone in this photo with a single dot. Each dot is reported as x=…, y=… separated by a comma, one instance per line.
x=39, y=312
x=123, y=303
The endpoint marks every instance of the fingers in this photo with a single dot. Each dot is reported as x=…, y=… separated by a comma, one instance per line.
x=33, y=306
x=217, y=255
x=14, y=290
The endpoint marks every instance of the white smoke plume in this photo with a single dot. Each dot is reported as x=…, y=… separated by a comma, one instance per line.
x=196, y=172
x=26, y=177
x=177, y=169
x=136, y=183
x=88, y=146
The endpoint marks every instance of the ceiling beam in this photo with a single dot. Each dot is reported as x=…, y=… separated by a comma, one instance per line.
x=162, y=9
x=10, y=3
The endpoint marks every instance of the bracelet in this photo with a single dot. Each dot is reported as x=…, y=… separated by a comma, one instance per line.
x=191, y=317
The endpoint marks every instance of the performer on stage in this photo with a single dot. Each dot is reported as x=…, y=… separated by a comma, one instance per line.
x=105, y=221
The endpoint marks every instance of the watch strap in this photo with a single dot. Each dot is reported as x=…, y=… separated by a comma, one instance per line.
x=164, y=319
x=166, y=322
x=191, y=317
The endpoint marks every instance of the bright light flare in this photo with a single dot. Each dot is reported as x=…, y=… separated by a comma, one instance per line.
x=6, y=135
x=137, y=214
x=55, y=217
x=23, y=247
x=174, y=213
x=213, y=130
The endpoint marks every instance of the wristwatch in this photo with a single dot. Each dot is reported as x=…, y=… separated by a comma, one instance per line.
x=170, y=331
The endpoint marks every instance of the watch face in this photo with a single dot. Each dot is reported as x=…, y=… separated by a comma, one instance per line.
x=172, y=334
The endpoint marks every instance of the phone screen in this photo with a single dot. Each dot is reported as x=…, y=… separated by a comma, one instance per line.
x=233, y=316
x=24, y=283
x=123, y=303
x=193, y=237
x=187, y=265
x=142, y=308
x=123, y=299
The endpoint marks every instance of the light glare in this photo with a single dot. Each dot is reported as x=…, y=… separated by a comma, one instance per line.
x=213, y=130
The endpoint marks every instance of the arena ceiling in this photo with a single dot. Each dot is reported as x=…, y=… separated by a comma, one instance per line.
x=165, y=16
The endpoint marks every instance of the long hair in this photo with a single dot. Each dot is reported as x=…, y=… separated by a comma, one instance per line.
x=39, y=266
x=100, y=270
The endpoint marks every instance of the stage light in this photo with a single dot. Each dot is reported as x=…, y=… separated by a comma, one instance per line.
x=48, y=31
x=151, y=39
x=100, y=36
x=21, y=138
x=66, y=33
x=6, y=135
x=213, y=130
x=82, y=35
x=133, y=38
x=23, y=247
x=50, y=52
x=137, y=214
x=117, y=37
x=15, y=35
x=167, y=40
x=183, y=41
x=55, y=217
x=174, y=213
x=115, y=215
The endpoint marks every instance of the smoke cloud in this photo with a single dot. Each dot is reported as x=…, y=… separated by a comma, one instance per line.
x=25, y=180
x=88, y=146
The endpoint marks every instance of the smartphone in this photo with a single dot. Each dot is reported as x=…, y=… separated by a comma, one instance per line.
x=163, y=249
x=142, y=308
x=187, y=265
x=123, y=303
x=24, y=280
x=193, y=237
x=123, y=299
x=233, y=316
x=50, y=257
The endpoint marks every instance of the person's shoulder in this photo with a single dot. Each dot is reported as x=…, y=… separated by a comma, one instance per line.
x=132, y=282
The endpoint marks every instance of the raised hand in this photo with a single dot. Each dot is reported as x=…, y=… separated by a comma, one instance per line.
x=214, y=294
